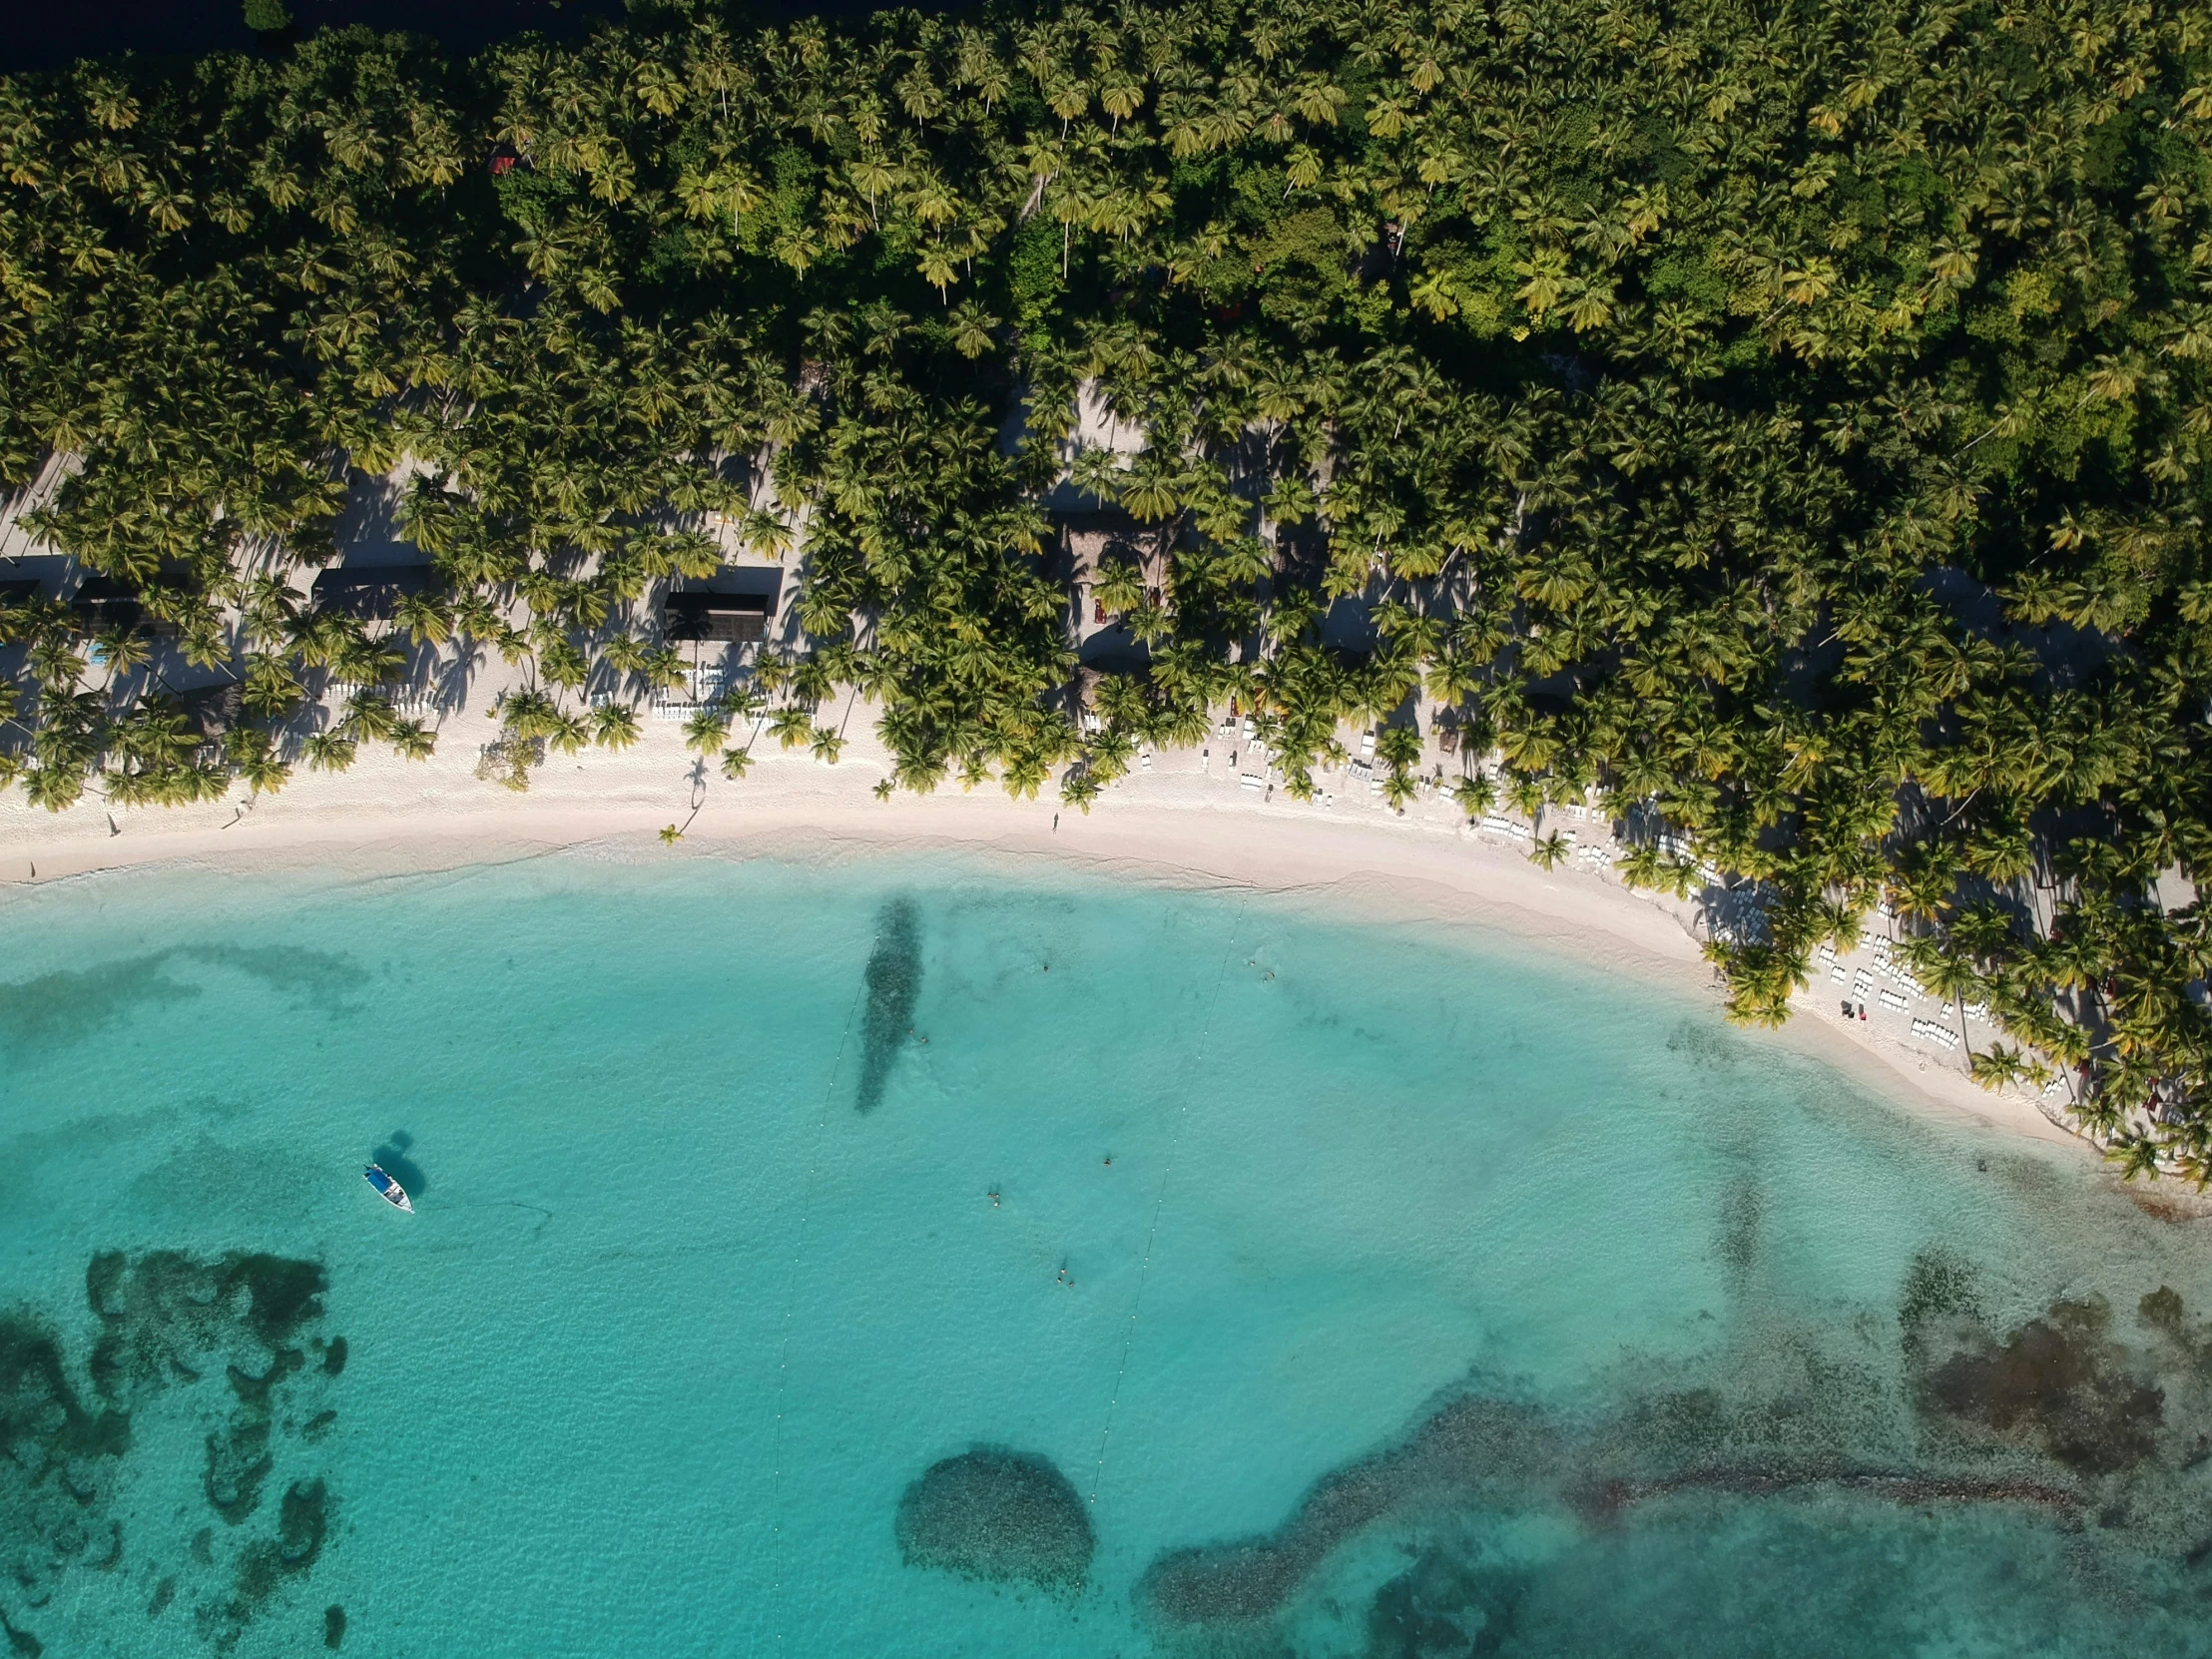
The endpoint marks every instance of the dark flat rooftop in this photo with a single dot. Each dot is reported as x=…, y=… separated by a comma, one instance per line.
x=373, y=592
x=729, y=618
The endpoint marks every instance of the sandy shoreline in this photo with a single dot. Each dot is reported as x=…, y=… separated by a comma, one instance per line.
x=1184, y=819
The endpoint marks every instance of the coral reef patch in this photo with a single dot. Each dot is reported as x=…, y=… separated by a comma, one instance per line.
x=1002, y=1515
x=54, y=1010
x=2063, y=1437
x=215, y=1346
x=264, y=1566
x=2060, y=1383
x=1472, y=1447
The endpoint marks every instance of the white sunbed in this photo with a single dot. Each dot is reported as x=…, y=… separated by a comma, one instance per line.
x=1941, y=1035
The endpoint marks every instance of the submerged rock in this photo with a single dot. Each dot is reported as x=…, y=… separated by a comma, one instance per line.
x=220, y=1343
x=1472, y=1450
x=304, y=1521
x=893, y=978
x=2061, y=1382
x=1007, y=1517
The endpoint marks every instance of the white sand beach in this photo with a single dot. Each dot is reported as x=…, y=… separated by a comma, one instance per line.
x=1181, y=817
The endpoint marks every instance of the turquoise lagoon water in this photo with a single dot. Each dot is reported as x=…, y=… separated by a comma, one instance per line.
x=1312, y=1289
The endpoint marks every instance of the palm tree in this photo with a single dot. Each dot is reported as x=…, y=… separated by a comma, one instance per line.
x=1399, y=748
x=328, y=750
x=1998, y=1066
x=792, y=724
x=707, y=730
x=1119, y=586
x=1097, y=472
x=615, y=726
x=1474, y=795
x=368, y=714
x=121, y=650
x=569, y=733
x=253, y=753
x=1527, y=795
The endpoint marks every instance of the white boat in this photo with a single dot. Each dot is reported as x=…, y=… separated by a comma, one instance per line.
x=391, y=1191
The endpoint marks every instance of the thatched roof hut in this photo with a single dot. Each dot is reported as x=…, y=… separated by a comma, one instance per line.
x=214, y=710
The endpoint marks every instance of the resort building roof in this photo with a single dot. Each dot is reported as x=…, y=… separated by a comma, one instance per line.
x=371, y=593
x=104, y=602
x=734, y=618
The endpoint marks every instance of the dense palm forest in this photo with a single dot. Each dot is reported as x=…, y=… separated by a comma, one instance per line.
x=1787, y=425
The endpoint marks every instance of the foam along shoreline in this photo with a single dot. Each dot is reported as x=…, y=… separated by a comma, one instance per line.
x=1186, y=818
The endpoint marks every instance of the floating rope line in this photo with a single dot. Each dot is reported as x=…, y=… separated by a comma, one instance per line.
x=1159, y=1200
x=791, y=1300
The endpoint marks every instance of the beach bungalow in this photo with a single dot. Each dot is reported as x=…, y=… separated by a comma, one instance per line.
x=213, y=709
x=370, y=593
x=104, y=602
x=722, y=618
x=1085, y=542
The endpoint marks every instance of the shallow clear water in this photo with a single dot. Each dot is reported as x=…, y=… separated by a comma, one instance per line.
x=1370, y=1293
